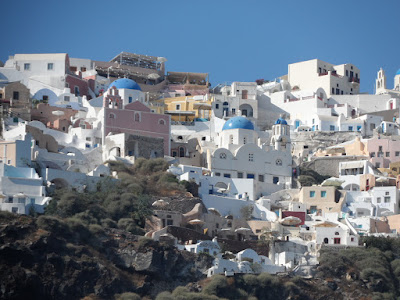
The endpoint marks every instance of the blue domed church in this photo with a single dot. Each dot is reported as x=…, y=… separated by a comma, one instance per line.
x=246, y=153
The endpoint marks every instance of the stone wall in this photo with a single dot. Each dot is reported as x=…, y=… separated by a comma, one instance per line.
x=148, y=147
x=329, y=165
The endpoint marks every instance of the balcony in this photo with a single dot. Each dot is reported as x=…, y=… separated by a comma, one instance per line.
x=354, y=80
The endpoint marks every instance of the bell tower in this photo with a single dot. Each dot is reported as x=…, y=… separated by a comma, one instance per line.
x=380, y=82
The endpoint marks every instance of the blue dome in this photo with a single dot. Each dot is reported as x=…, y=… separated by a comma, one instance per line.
x=281, y=121
x=125, y=83
x=238, y=123
x=398, y=72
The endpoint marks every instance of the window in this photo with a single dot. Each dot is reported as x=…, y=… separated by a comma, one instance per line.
x=137, y=117
x=380, y=148
x=178, y=107
x=27, y=67
x=347, y=72
x=323, y=194
x=170, y=222
x=332, y=127
x=278, y=162
x=251, y=157
x=216, y=106
x=337, y=91
x=387, y=154
x=378, y=200
x=372, y=154
x=111, y=116
x=222, y=155
x=377, y=165
x=15, y=95
x=88, y=139
x=333, y=90
x=350, y=128
x=161, y=122
x=50, y=66
x=182, y=152
x=14, y=210
x=358, y=128
x=240, y=175
x=261, y=178
x=66, y=98
x=45, y=98
x=312, y=194
x=250, y=176
x=326, y=241
x=275, y=180
x=336, y=233
x=397, y=153
x=217, y=174
x=336, y=241
x=130, y=99
x=76, y=90
x=226, y=175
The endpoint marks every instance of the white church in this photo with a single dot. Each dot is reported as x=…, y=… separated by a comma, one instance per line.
x=243, y=152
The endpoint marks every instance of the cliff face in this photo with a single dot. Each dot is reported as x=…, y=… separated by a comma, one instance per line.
x=53, y=264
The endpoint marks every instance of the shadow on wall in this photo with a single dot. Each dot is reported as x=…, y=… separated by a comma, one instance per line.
x=45, y=95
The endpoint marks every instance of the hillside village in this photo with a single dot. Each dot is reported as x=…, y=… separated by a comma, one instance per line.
x=300, y=163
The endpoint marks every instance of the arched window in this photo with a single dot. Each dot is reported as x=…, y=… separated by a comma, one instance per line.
x=161, y=122
x=137, y=117
x=336, y=233
x=222, y=156
x=111, y=116
x=278, y=162
x=326, y=241
x=181, y=152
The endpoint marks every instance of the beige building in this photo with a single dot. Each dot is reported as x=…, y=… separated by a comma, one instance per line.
x=15, y=99
x=321, y=199
x=394, y=223
x=356, y=148
x=16, y=153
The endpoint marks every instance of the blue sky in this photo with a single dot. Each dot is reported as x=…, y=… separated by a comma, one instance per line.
x=230, y=40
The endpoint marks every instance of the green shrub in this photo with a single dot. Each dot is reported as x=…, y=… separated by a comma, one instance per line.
x=96, y=229
x=6, y=216
x=164, y=296
x=145, y=242
x=128, y=296
x=108, y=223
x=129, y=225
x=217, y=286
x=52, y=224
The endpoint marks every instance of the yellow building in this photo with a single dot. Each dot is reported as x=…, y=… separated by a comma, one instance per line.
x=185, y=109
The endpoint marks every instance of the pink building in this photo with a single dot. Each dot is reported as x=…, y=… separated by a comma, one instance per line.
x=383, y=151
x=135, y=118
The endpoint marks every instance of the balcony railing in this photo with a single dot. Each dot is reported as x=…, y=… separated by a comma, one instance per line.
x=354, y=80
